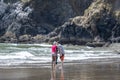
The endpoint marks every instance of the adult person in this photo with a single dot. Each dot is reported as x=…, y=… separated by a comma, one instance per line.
x=61, y=52
x=54, y=53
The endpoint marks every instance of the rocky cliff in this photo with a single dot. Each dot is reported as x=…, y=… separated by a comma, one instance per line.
x=98, y=24
x=67, y=21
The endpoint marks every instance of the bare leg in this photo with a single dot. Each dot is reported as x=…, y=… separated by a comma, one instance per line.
x=53, y=61
x=62, y=64
x=62, y=60
x=53, y=64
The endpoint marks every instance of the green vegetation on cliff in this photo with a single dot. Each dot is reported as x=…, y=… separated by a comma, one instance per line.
x=77, y=21
x=117, y=16
x=25, y=1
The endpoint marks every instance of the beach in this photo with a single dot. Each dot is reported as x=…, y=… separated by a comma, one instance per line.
x=95, y=69
x=33, y=62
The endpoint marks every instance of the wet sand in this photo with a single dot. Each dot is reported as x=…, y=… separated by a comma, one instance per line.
x=100, y=69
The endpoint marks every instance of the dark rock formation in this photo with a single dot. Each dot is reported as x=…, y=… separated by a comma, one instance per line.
x=67, y=21
x=70, y=33
x=97, y=25
x=36, y=17
x=15, y=19
x=55, y=13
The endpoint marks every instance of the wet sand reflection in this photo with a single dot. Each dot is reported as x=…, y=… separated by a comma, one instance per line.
x=109, y=70
x=54, y=73
x=93, y=71
x=62, y=74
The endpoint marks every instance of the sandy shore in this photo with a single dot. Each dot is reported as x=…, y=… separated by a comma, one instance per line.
x=100, y=69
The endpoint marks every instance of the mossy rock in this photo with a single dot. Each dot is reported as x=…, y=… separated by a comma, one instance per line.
x=25, y=1
x=117, y=16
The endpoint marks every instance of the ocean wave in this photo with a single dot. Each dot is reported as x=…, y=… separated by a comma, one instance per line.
x=17, y=55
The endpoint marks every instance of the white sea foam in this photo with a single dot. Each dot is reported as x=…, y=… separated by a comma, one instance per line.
x=17, y=55
x=11, y=54
x=43, y=45
x=22, y=54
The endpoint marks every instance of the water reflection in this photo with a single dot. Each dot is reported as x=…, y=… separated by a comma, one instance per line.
x=62, y=74
x=95, y=70
x=54, y=73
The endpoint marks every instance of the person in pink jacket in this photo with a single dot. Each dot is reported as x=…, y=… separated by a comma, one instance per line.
x=54, y=54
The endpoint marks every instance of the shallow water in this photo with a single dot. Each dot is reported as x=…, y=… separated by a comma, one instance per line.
x=91, y=71
x=35, y=55
x=87, y=70
x=33, y=62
